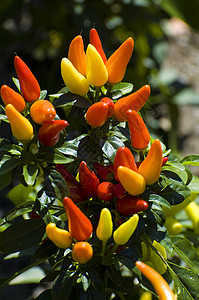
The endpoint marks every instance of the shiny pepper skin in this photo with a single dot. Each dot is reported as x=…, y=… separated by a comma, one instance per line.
x=158, y=263
x=21, y=127
x=97, y=114
x=111, y=105
x=124, y=157
x=151, y=166
x=82, y=252
x=159, y=283
x=96, y=71
x=105, y=225
x=60, y=237
x=133, y=182
x=79, y=225
x=139, y=134
x=73, y=79
x=88, y=180
x=49, y=132
x=74, y=186
x=103, y=172
x=96, y=42
x=9, y=96
x=42, y=111
x=29, y=85
x=133, y=101
x=105, y=191
x=76, y=54
x=123, y=233
x=118, y=61
x=129, y=205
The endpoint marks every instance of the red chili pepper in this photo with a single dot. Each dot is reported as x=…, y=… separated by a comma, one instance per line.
x=79, y=225
x=139, y=134
x=9, y=96
x=124, y=157
x=88, y=180
x=29, y=85
x=164, y=160
x=49, y=132
x=105, y=191
x=97, y=114
x=111, y=106
x=129, y=205
x=96, y=42
x=103, y=172
x=76, y=54
x=74, y=186
x=118, y=190
x=133, y=101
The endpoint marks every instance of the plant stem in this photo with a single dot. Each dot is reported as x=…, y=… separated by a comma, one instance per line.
x=103, y=247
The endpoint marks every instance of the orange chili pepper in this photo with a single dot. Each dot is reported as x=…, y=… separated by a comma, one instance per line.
x=133, y=101
x=97, y=114
x=159, y=283
x=124, y=157
x=29, y=85
x=139, y=134
x=76, y=54
x=96, y=42
x=9, y=96
x=118, y=61
x=41, y=111
x=111, y=105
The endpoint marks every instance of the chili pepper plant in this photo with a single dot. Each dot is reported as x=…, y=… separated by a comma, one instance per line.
x=99, y=204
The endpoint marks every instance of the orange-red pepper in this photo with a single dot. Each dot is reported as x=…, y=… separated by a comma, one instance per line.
x=88, y=180
x=29, y=85
x=9, y=96
x=49, y=132
x=96, y=42
x=42, y=111
x=118, y=61
x=79, y=225
x=97, y=114
x=139, y=134
x=76, y=54
x=124, y=157
x=133, y=101
x=111, y=105
x=129, y=205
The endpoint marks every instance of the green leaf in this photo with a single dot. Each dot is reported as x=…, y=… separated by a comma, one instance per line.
x=30, y=173
x=20, y=193
x=55, y=185
x=110, y=147
x=5, y=180
x=33, y=275
x=8, y=165
x=85, y=282
x=191, y=160
x=186, y=251
x=71, y=147
x=43, y=94
x=19, y=210
x=21, y=235
x=16, y=82
x=121, y=89
x=57, y=158
x=46, y=295
x=187, y=96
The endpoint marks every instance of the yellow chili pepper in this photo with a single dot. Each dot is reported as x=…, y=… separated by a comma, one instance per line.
x=22, y=129
x=60, y=237
x=192, y=211
x=158, y=263
x=159, y=283
x=146, y=296
x=123, y=233
x=173, y=226
x=77, y=55
x=132, y=181
x=74, y=80
x=96, y=71
x=105, y=226
x=151, y=167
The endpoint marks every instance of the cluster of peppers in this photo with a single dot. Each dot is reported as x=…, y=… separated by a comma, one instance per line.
x=25, y=108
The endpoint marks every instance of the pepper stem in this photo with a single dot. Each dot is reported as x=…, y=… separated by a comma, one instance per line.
x=103, y=247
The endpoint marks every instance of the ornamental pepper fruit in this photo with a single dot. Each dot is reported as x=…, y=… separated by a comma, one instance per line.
x=96, y=71
x=192, y=211
x=77, y=55
x=133, y=101
x=173, y=226
x=151, y=166
x=159, y=283
x=73, y=79
x=88, y=180
x=123, y=233
x=105, y=225
x=60, y=237
x=139, y=134
x=9, y=96
x=79, y=225
x=103, y=172
x=96, y=114
x=129, y=205
x=42, y=111
x=146, y=296
x=124, y=157
x=118, y=190
x=118, y=61
x=111, y=105
x=133, y=182
x=96, y=42
x=29, y=85
x=49, y=132
x=158, y=263
x=74, y=186
x=82, y=252
x=21, y=127
x=105, y=191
